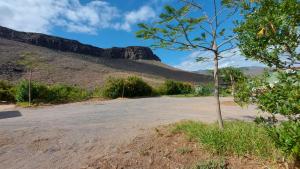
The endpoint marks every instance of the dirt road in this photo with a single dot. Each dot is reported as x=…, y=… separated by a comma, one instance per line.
x=68, y=136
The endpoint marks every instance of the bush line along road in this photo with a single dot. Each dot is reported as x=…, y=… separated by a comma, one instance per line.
x=71, y=135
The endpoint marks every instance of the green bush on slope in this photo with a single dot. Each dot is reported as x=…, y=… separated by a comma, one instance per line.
x=62, y=94
x=171, y=87
x=129, y=87
x=41, y=93
x=7, y=92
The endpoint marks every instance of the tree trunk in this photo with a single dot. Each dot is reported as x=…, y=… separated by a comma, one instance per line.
x=29, y=87
x=216, y=86
x=232, y=85
x=123, y=90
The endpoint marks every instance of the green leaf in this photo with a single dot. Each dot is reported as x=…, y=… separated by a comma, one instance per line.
x=202, y=59
x=185, y=9
x=197, y=39
x=221, y=33
x=170, y=9
x=142, y=25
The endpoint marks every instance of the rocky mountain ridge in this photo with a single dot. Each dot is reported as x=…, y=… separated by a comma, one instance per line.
x=67, y=45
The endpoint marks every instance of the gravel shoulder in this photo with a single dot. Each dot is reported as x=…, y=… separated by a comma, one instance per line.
x=71, y=135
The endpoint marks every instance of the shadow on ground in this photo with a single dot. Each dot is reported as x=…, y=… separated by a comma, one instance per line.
x=9, y=114
x=245, y=117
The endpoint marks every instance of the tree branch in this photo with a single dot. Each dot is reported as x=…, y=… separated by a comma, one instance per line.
x=216, y=15
x=227, y=49
x=186, y=35
x=184, y=31
x=227, y=41
x=206, y=30
x=229, y=15
x=192, y=3
x=181, y=43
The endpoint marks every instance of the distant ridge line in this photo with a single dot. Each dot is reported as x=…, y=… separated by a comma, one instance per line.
x=68, y=45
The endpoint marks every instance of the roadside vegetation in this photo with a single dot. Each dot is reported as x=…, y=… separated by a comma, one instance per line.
x=6, y=91
x=276, y=93
x=238, y=138
x=262, y=139
x=41, y=93
x=171, y=87
x=130, y=87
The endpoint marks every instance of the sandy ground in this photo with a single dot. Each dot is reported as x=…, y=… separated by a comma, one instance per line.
x=69, y=136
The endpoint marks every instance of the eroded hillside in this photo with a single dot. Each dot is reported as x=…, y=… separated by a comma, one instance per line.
x=81, y=69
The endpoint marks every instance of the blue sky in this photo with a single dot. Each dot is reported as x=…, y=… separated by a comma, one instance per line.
x=104, y=24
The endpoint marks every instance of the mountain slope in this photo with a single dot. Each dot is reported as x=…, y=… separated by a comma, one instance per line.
x=82, y=69
x=68, y=45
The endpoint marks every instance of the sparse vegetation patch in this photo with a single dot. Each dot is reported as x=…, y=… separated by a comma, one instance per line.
x=237, y=138
x=211, y=164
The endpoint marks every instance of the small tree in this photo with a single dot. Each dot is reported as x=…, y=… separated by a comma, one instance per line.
x=31, y=61
x=193, y=28
x=231, y=75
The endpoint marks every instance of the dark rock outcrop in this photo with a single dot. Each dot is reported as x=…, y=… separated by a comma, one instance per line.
x=67, y=45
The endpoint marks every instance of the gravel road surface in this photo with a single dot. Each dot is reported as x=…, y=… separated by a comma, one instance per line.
x=71, y=135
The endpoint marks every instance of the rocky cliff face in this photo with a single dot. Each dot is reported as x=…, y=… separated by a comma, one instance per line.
x=67, y=45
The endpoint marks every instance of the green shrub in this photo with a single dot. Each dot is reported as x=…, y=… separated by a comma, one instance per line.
x=225, y=91
x=260, y=120
x=62, y=94
x=287, y=138
x=41, y=93
x=21, y=94
x=155, y=92
x=136, y=87
x=38, y=91
x=208, y=90
x=277, y=93
x=130, y=87
x=97, y=92
x=171, y=87
x=204, y=90
x=7, y=92
x=113, y=87
x=237, y=138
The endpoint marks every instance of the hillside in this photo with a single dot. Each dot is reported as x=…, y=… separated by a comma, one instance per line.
x=82, y=69
x=68, y=45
